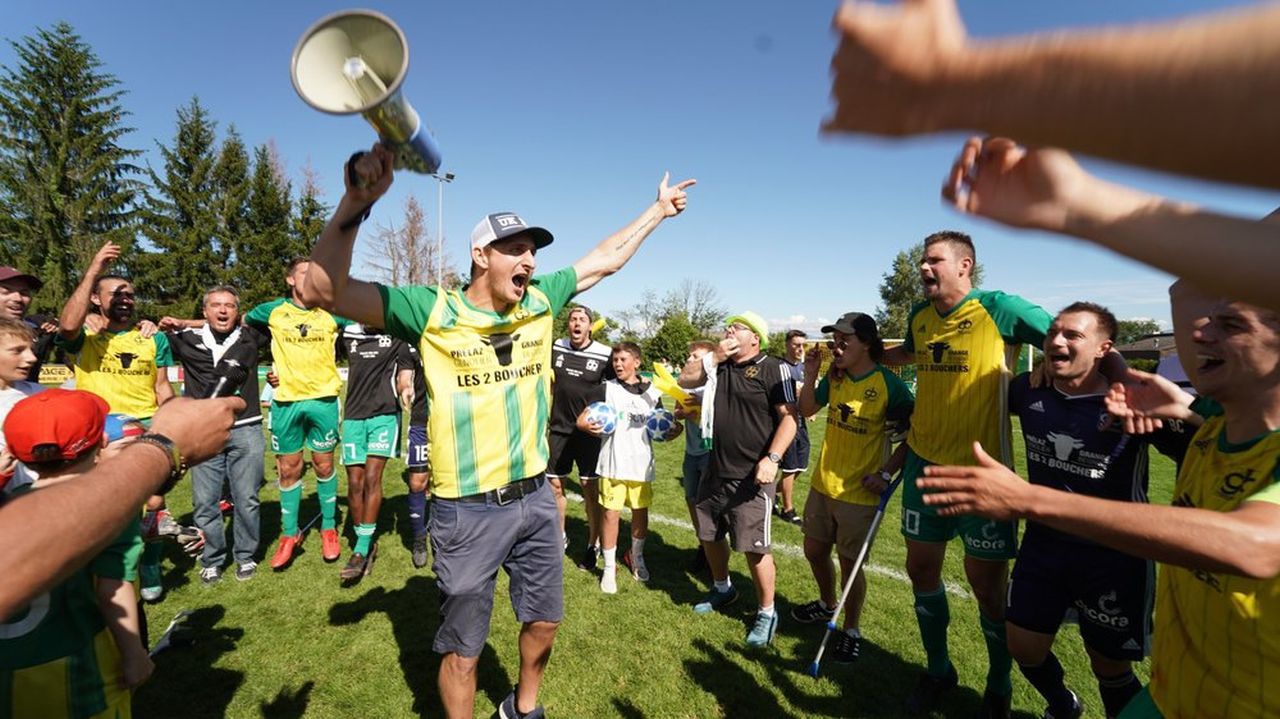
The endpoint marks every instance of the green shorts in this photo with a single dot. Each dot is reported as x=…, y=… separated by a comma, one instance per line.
x=313, y=421
x=370, y=437
x=983, y=538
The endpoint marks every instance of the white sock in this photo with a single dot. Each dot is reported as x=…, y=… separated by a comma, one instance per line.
x=610, y=557
x=767, y=611
x=637, y=546
x=853, y=632
x=723, y=586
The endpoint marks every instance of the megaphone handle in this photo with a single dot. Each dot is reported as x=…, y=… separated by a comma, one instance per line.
x=354, y=179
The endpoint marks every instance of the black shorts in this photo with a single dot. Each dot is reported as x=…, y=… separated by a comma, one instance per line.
x=796, y=459
x=1110, y=591
x=567, y=450
x=740, y=508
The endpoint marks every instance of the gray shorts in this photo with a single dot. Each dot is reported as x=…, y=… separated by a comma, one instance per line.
x=470, y=541
x=739, y=507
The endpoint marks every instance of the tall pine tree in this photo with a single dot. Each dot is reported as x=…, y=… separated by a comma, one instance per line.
x=310, y=214
x=231, y=192
x=180, y=219
x=66, y=179
x=261, y=255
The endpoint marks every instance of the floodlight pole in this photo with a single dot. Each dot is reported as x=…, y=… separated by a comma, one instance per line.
x=441, y=179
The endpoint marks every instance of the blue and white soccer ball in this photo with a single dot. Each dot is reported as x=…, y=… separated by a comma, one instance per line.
x=602, y=414
x=659, y=424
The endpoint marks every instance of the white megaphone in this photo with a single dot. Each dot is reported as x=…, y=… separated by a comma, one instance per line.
x=354, y=61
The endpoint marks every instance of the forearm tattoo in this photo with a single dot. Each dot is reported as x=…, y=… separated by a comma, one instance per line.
x=635, y=235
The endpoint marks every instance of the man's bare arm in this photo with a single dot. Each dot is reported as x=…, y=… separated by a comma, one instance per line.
x=609, y=256
x=808, y=399
x=1150, y=95
x=96, y=510
x=786, y=431
x=1046, y=189
x=71, y=321
x=1185, y=536
x=164, y=390
x=328, y=283
x=896, y=356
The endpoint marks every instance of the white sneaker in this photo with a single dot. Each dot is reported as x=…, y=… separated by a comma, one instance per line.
x=609, y=580
x=638, y=568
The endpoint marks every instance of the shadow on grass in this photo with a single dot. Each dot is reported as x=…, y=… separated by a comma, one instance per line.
x=876, y=686
x=414, y=612
x=667, y=563
x=288, y=703
x=626, y=709
x=394, y=517
x=189, y=671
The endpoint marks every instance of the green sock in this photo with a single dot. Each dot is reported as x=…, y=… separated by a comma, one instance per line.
x=327, y=491
x=364, y=537
x=933, y=615
x=1001, y=663
x=290, y=500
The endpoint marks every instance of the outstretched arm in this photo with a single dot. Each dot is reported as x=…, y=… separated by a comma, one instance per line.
x=71, y=322
x=328, y=283
x=37, y=523
x=1046, y=189
x=1150, y=95
x=1185, y=536
x=609, y=256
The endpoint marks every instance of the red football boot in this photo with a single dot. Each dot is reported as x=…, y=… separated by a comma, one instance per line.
x=330, y=545
x=284, y=551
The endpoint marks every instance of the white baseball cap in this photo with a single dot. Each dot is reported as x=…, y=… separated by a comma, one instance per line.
x=501, y=225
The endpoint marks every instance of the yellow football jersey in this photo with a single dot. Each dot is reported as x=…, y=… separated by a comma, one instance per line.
x=1216, y=648
x=488, y=379
x=964, y=360
x=303, y=343
x=120, y=367
x=856, y=444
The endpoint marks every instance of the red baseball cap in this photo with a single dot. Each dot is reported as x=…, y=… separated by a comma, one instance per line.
x=56, y=424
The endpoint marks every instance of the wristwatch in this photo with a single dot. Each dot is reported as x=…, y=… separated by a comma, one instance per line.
x=177, y=465
x=886, y=475
x=775, y=457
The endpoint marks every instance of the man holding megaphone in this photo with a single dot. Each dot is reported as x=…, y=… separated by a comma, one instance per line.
x=486, y=353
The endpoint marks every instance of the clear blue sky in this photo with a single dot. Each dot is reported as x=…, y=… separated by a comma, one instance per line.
x=569, y=112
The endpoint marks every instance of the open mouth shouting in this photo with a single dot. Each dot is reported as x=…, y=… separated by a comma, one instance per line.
x=1207, y=363
x=520, y=281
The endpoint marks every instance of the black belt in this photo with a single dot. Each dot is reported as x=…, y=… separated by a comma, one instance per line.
x=505, y=494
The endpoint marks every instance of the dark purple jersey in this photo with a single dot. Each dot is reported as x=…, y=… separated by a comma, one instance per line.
x=1073, y=446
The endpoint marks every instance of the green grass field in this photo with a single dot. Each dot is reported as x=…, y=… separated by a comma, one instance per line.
x=297, y=644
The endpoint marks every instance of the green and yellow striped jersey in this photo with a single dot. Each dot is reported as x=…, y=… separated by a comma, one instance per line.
x=859, y=411
x=1216, y=644
x=303, y=343
x=964, y=359
x=120, y=367
x=488, y=379
x=49, y=661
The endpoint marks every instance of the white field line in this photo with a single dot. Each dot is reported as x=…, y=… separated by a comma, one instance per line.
x=794, y=551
